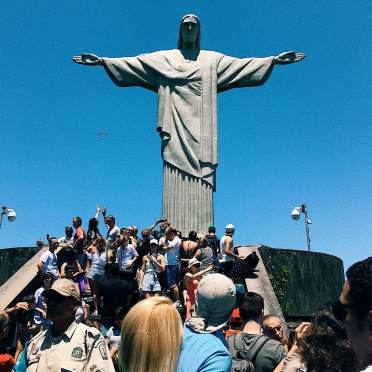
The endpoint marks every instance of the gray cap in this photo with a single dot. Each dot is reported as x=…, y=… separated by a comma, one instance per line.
x=215, y=300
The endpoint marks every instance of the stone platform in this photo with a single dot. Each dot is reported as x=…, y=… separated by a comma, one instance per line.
x=293, y=282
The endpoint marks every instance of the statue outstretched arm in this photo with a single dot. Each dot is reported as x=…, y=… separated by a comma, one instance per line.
x=248, y=72
x=88, y=59
x=286, y=58
x=124, y=71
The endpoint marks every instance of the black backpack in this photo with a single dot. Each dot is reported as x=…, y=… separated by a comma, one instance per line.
x=244, y=360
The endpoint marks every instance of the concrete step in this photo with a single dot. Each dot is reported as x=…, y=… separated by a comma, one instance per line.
x=19, y=281
x=262, y=285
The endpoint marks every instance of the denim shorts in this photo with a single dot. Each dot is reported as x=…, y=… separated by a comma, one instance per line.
x=96, y=275
x=172, y=276
x=150, y=282
x=240, y=288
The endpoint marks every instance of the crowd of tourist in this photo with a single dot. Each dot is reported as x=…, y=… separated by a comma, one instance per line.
x=164, y=302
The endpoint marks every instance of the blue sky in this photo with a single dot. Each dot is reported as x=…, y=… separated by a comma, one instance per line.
x=304, y=137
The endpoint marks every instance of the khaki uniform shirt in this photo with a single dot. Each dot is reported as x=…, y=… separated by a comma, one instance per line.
x=80, y=348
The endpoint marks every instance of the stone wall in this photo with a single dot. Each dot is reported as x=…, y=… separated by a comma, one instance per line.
x=12, y=259
x=305, y=280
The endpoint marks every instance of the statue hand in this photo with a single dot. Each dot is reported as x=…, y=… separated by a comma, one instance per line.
x=87, y=59
x=286, y=58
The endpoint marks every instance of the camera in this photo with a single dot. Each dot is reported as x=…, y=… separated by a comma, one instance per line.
x=296, y=214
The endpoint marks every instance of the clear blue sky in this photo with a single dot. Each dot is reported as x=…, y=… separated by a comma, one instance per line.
x=304, y=137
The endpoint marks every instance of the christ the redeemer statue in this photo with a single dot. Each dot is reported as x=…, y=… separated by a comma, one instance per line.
x=187, y=81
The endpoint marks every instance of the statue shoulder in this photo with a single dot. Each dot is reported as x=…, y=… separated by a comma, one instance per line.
x=211, y=55
x=159, y=53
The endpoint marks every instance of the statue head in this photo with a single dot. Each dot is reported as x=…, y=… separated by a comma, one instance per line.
x=189, y=33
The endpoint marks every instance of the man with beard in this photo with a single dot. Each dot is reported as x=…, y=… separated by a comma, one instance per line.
x=65, y=345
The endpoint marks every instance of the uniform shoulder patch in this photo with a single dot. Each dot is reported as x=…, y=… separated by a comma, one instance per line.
x=102, y=350
x=77, y=353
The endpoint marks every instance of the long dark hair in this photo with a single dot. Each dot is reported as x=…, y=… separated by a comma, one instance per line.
x=93, y=226
x=326, y=347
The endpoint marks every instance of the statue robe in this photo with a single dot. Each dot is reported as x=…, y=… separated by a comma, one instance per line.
x=187, y=121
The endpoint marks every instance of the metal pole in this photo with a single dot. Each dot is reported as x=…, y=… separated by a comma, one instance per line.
x=304, y=210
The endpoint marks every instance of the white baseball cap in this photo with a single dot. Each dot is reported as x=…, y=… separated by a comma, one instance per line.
x=194, y=261
x=154, y=241
x=230, y=228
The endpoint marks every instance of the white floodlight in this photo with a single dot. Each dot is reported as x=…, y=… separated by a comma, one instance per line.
x=296, y=214
x=10, y=212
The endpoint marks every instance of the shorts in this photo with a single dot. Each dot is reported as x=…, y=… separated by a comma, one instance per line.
x=96, y=275
x=240, y=288
x=150, y=282
x=172, y=275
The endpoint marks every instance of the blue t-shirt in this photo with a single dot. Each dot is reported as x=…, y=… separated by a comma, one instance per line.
x=203, y=352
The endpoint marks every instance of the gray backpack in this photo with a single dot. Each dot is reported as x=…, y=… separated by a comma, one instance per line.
x=244, y=360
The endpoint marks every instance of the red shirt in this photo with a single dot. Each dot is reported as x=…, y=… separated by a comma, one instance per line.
x=6, y=363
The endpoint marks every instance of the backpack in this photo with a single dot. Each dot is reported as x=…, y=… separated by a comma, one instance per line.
x=244, y=360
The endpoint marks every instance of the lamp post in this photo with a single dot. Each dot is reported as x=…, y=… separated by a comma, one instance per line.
x=296, y=214
x=9, y=212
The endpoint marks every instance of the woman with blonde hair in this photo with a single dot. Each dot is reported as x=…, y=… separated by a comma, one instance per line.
x=151, y=327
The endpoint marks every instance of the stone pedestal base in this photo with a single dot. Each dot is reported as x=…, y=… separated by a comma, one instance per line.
x=187, y=201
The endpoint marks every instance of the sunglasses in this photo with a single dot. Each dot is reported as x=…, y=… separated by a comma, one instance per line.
x=340, y=310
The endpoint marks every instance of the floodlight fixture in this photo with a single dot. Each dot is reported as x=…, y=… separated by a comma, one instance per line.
x=9, y=212
x=296, y=214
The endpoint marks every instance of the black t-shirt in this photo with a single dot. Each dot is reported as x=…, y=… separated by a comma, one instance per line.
x=239, y=272
x=114, y=293
x=143, y=249
x=214, y=243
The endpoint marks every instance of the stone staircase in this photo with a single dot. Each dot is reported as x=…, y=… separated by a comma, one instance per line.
x=20, y=280
x=262, y=285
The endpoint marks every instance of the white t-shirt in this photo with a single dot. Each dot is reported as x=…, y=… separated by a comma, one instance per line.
x=124, y=255
x=79, y=315
x=113, y=335
x=49, y=260
x=98, y=260
x=40, y=303
x=172, y=255
x=111, y=236
x=225, y=257
x=368, y=369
